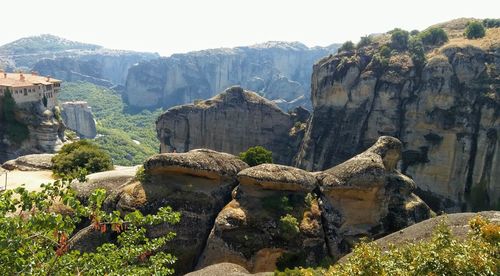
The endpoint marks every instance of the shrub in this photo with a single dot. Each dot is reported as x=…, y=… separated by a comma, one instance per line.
x=289, y=227
x=277, y=203
x=364, y=41
x=140, y=175
x=256, y=155
x=399, y=39
x=474, y=30
x=36, y=240
x=78, y=156
x=414, y=32
x=417, y=52
x=443, y=254
x=491, y=23
x=433, y=36
x=347, y=46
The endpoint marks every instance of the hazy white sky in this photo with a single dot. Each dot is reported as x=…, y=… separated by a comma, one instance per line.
x=172, y=26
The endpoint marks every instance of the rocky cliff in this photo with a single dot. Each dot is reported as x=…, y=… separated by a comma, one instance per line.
x=232, y=122
x=446, y=113
x=266, y=216
x=78, y=117
x=36, y=130
x=276, y=70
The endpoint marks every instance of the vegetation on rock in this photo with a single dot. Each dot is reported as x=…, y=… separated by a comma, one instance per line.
x=433, y=36
x=475, y=29
x=443, y=254
x=16, y=131
x=37, y=240
x=289, y=227
x=364, y=41
x=80, y=156
x=399, y=39
x=256, y=155
x=347, y=46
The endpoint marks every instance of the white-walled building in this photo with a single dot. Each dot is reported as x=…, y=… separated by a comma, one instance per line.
x=31, y=87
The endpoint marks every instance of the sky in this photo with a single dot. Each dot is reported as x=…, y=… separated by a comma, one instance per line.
x=178, y=26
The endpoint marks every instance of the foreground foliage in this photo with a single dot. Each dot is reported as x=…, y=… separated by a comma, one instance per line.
x=35, y=239
x=443, y=254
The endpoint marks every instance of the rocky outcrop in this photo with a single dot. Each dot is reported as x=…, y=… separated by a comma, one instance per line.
x=31, y=162
x=232, y=122
x=446, y=112
x=225, y=269
x=252, y=231
x=38, y=130
x=264, y=217
x=197, y=184
x=78, y=117
x=277, y=70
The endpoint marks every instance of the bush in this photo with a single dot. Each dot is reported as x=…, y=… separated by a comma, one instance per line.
x=17, y=131
x=141, y=175
x=78, y=156
x=347, y=46
x=443, y=254
x=474, y=30
x=434, y=36
x=491, y=23
x=36, y=240
x=256, y=155
x=399, y=39
x=289, y=227
x=417, y=51
x=364, y=41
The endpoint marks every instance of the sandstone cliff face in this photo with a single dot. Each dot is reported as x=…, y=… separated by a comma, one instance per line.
x=276, y=70
x=446, y=114
x=232, y=213
x=78, y=117
x=231, y=122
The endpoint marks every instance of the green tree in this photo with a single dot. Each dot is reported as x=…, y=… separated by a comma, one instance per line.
x=289, y=227
x=417, y=52
x=17, y=132
x=256, y=155
x=491, y=23
x=364, y=41
x=78, y=156
x=475, y=29
x=37, y=240
x=434, y=36
x=347, y=46
x=399, y=39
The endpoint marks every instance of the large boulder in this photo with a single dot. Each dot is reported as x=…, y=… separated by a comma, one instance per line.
x=250, y=230
x=367, y=196
x=197, y=184
x=30, y=162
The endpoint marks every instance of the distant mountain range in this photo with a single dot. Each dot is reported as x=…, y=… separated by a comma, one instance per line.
x=277, y=70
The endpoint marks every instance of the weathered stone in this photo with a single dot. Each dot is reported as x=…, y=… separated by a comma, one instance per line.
x=31, y=162
x=249, y=230
x=230, y=122
x=78, y=117
x=445, y=112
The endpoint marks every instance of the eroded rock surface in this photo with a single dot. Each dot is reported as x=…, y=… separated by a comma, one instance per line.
x=78, y=117
x=232, y=122
x=445, y=112
x=31, y=162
